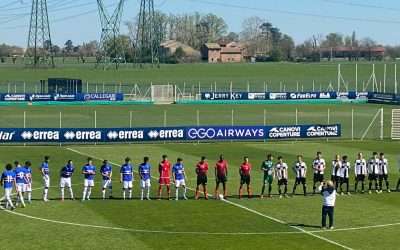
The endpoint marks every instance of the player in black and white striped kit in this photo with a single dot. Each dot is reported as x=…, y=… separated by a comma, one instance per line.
x=300, y=169
x=383, y=172
x=373, y=172
x=319, y=167
x=360, y=171
x=335, y=176
x=344, y=175
x=281, y=172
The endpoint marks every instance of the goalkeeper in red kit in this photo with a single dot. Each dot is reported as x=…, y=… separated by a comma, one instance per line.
x=201, y=171
x=221, y=175
x=244, y=172
x=164, y=168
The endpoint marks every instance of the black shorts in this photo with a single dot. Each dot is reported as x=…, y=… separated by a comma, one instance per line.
x=300, y=180
x=221, y=179
x=335, y=179
x=360, y=177
x=245, y=179
x=344, y=180
x=372, y=177
x=201, y=180
x=383, y=177
x=282, y=182
x=318, y=177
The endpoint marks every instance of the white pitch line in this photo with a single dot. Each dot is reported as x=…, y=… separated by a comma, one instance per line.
x=284, y=223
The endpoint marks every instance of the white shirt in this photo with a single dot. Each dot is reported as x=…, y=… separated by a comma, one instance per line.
x=319, y=166
x=345, y=169
x=329, y=195
x=336, y=166
x=373, y=166
x=360, y=167
x=300, y=168
x=383, y=166
x=281, y=170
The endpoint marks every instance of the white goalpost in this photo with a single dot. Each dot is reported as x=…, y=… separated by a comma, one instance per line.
x=163, y=94
x=395, y=134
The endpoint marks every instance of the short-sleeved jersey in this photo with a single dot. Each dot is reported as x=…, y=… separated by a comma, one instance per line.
x=20, y=174
x=89, y=171
x=345, y=169
x=28, y=175
x=319, y=166
x=268, y=167
x=336, y=166
x=127, y=172
x=67, y=171
x=202, y=168
x=164, y=169
x=45, y=168
x=300, y=169
x=8, y=178
x=383, y=166
x=179, y=171
x=145, y=171
x=245, y=169
x=373, y=166
x=221, y=167
x=360, y=167
x=281, y=170
x=106, y=170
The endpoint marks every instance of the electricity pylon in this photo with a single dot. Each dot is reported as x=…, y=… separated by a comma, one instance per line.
x=40, y=49
x=111, y=50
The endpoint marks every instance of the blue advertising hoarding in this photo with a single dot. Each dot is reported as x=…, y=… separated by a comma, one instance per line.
x=76, y=135
x=62, y=97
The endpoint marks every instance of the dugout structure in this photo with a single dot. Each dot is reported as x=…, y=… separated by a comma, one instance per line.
x=163, y=94
x=64, y=86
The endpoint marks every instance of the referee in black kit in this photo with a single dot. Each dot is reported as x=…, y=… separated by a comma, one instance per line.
x=328, y=192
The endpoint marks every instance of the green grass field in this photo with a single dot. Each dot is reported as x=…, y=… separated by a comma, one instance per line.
x=362, y=221
x=277, y=76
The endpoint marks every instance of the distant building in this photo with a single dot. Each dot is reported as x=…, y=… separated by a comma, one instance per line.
x=376, y=53
x=222, y=52
x=169, y=48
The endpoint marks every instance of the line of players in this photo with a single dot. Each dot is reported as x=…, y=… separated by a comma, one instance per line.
x=376, y=168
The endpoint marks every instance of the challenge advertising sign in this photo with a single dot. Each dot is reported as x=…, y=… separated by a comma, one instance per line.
x=78, y=135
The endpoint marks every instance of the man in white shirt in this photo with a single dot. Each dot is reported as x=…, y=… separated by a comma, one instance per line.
x=373, y=172
x=329, y=199
x=281, y=172
x=344, y=175
x=318, y=167
x=300, y=169
x=383, y=172
x=336, y=167
x=360, y=171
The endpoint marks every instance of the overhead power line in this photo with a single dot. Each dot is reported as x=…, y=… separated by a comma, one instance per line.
x=362, y=5
x=296, y=13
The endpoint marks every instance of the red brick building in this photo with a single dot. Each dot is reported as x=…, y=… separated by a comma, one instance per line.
x=222, y=52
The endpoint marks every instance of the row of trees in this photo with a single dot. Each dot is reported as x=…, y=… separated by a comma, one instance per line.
x=259, y=38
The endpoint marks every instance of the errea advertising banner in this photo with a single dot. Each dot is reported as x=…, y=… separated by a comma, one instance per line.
x=78, y=135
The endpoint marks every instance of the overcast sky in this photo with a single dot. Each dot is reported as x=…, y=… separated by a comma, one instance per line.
x=78, y=19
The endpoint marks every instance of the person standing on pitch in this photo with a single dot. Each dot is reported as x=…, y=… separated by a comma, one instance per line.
x=28, y=181
x=221, y=175
x=145, y=176
x=344, y=175
x=20, y=183
x=245, y=178
x=268, y=168
x=106, y=174
x=300, y=169
x=373, y=172
x=126, y=178
x=178, y=172
x=336, y=167
x=329, y=199
x=360, y=171
x=383, y=172
x=65, y=179
x=88, y=171
x=319, y=167
x=201, y=171
x=281, y=171
x=164, y=168
x=45, y=171
x=8, y=182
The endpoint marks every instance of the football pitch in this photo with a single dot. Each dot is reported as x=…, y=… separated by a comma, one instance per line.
x=363, y=221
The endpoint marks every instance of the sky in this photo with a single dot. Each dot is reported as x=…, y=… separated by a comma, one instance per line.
x=78, y=20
